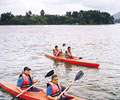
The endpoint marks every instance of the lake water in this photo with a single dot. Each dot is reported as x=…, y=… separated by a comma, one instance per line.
x=22, y=46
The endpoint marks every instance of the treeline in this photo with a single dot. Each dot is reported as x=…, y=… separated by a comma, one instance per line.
x=80, y=18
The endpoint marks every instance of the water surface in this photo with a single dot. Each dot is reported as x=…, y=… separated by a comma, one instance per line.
x=22, y=46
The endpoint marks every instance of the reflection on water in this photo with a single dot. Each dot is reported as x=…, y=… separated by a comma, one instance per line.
x=22, y=46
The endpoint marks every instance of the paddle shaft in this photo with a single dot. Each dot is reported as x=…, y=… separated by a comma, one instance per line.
x=26, y=89
x=77, y=77
x=64, y=90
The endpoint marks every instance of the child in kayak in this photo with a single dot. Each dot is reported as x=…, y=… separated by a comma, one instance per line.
x=54, y=89
x=25, y=80
x=57, y=52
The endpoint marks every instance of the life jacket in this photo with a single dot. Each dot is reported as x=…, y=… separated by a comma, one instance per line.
x=56, y=89
x=69, y=53
x=55, y=52
x=26, y=83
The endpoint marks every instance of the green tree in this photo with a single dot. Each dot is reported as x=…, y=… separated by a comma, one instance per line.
x=75, y=14
x=82, y=17
x=42, y=12
x=69, y=13
x=6, y=18
x=28, y=14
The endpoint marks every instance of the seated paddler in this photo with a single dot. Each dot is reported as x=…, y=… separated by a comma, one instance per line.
x=25, y=80
x=54, y=89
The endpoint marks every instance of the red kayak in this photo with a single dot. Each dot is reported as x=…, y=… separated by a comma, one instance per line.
x=73, y=61
x=11, y=87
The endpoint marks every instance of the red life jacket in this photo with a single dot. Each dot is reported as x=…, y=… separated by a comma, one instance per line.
x=56, y=89
x=55, y=52
x=26, y=83
x=69, y=53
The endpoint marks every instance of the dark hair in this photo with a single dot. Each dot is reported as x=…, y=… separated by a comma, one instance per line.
x=69, y=47
x=53, y=76
x=26, y=68
x=56, y=46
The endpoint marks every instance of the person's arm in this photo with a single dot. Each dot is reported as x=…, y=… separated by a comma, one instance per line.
x=54, y=52
x=60, y=52
x=19, y=89
x=69, y=85
x=63, y=88
x=70, y=56
x=49, y=89
x=66, y=54
x=32, y=80
x=19, y=84
x=57, y=54
x=36, y=81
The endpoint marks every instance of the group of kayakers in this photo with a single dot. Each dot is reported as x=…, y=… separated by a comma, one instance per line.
x=54, y=87
x=58, y=52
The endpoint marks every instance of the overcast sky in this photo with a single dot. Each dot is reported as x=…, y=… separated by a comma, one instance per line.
x=60, y=7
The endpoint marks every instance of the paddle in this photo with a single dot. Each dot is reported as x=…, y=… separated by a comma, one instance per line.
x=47, y=75
x=77, y=77
x=80, y=58
x=64, y=44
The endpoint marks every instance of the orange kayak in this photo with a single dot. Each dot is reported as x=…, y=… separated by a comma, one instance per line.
x=11, y=87
x=73, y=61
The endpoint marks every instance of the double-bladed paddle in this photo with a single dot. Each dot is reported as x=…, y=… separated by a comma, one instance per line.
x=77, y=77
x=47, y=75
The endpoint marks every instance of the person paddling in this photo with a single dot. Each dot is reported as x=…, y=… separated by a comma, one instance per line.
x=68, y=53
x=25, y=80
x=57, y=52
x=54, y=89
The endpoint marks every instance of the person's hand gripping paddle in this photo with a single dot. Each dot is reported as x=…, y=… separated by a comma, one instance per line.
x=77, y=77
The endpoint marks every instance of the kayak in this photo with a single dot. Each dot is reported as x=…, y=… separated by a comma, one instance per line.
x=11, y=87
x=73, y=61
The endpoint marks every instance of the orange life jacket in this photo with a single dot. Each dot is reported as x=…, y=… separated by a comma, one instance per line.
x=26, y=83
x=56, y=89
x=55, y=52
x=69, y=53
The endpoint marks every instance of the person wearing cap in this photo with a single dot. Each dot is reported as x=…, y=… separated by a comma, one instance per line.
x=25, y=80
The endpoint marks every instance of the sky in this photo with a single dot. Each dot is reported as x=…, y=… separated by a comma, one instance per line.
x=59, y=7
